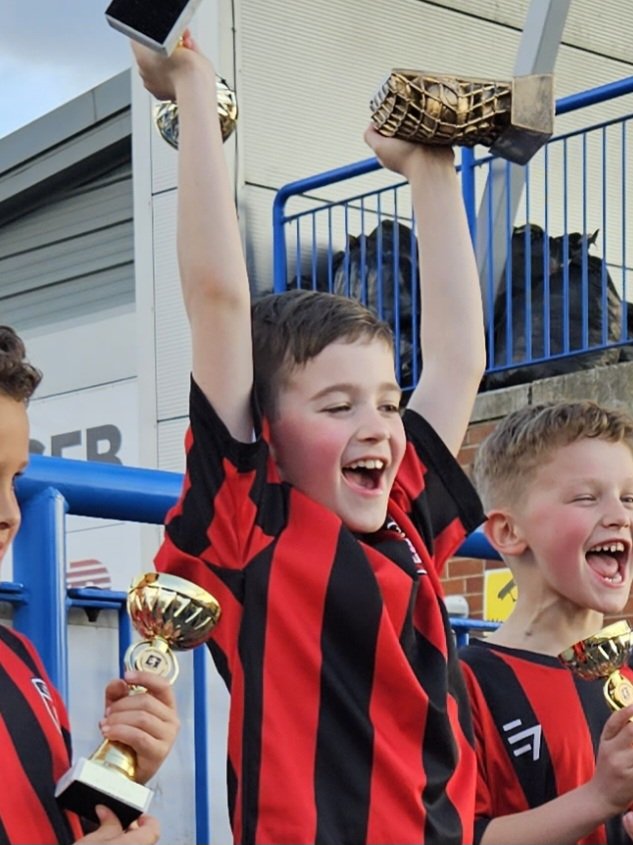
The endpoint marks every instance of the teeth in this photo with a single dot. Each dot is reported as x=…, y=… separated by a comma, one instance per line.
x=608, y=547
x=367, y=464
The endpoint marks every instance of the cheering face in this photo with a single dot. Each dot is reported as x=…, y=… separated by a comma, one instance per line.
x=577, y=521
x=14, y=455
x=338, y=436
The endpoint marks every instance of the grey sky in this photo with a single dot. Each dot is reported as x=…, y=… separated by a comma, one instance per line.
x=52, y=51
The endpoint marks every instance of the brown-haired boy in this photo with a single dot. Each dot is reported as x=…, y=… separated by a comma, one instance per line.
x=320, y=518
x=557, y=484
x=34, y=728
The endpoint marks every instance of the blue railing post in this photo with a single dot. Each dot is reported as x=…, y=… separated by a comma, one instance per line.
x=39, y=563
x=200, y=729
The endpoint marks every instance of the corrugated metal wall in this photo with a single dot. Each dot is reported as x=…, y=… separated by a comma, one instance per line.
x=72, y=257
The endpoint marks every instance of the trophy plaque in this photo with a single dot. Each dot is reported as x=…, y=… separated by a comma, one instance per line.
x=171, y=614
x=602, y=656
x=158, y=24
x=514, y=119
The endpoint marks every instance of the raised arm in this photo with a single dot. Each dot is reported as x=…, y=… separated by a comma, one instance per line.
x=210, y=256
x=451, y=327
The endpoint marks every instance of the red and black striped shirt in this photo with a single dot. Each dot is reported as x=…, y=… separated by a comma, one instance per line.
x=349, y=719
x=34, y=749
x=537, y=730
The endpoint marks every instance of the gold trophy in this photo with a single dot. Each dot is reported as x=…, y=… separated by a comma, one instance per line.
x=159, y=24
x=166, y=114
x=602, y=656
x=169, y=613
x=513, y=118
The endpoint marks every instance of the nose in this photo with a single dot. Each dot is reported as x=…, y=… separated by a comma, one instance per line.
x=372, y=426
x=9, y=511
x=617, y=514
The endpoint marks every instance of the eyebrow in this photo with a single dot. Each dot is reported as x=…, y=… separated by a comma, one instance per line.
x=348, y=387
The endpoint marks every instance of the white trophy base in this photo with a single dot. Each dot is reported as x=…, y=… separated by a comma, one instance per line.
x=87, y=784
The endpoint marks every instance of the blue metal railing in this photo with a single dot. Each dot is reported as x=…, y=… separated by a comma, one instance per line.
x=53, y=487
x=326, y=245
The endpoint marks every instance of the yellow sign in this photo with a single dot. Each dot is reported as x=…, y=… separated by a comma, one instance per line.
x=500, y=594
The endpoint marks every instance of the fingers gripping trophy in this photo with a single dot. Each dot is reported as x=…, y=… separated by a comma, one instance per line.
x=170, y=614
x=159, y=24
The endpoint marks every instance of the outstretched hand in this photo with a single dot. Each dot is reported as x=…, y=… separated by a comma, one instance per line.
x=146, y=721
x=401, y=156
x=144, y=831
x=159, y=72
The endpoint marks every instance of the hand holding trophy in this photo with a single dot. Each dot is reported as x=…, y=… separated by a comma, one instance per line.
x=159, y=24
x=170, y=613
x=513, y=118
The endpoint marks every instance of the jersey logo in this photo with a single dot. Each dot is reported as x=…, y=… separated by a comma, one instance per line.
x=532, y=735
x=392, y=525
x=47, y=700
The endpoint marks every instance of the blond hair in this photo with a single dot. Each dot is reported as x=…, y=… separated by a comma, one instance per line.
x=508, y=458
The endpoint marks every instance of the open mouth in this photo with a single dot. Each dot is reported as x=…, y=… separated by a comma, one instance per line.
x=366, y=473
x=608, y=560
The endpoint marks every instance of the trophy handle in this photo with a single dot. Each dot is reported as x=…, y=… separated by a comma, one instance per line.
x=618, y=691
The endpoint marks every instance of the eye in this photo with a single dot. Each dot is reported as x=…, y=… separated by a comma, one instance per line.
x=337, y=409
x=584, y=497
x=628, y=499
x=390, y=408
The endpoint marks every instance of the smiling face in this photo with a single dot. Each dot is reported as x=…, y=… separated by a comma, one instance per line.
x=14, y=455
x=576, y=521
x=338, y=434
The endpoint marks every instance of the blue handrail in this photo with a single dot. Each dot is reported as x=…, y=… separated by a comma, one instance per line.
x=564, y=105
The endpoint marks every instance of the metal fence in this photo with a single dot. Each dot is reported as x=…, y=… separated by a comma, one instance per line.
x=553, y=300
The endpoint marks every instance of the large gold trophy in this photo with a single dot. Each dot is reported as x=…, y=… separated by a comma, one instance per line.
x=602, y=656
x=170, y=613
x=513, y=118
x=159, y=24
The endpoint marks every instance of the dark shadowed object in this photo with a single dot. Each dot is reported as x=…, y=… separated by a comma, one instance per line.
x=555, y=312
x=381, y=271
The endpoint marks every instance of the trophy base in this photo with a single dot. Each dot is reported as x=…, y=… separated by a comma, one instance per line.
x=157, y=25
x=87, y=784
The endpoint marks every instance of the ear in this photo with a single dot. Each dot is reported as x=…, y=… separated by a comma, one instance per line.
x=592, y=238
x=504, y=534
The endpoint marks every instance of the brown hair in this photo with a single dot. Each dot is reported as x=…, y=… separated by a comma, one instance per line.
x=18, y=378
x=522, y=441
x=291, y=328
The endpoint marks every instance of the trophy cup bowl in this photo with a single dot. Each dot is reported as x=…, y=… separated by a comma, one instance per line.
x=166, y=114
x=170, y=613
x=514, y=118
x=602, y=656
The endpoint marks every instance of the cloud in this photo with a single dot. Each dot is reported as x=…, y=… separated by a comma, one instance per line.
x=52, y=52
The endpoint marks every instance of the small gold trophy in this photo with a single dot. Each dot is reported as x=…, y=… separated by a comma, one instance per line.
x=513, y=118
x=602, y=656
x=169, y=613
